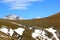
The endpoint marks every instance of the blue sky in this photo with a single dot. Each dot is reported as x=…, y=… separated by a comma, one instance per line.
x=29, y=8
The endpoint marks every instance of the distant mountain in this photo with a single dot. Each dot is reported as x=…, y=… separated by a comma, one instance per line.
x=37, y=17
x=13, y=17
x=47, y=28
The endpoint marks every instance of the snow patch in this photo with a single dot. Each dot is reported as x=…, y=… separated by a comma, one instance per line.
x=41, y=34
x=11, y=32
x=19, y=30
x=4, y=30
x=36, y=33
x=53, y=32
x=30, y=27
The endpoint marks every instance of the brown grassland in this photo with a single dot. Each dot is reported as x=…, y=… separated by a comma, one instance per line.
x=53, y=20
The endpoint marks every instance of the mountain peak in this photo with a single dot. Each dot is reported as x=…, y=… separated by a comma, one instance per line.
x=13, y=17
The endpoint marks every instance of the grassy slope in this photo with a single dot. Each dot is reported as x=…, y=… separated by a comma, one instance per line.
x=53, y=20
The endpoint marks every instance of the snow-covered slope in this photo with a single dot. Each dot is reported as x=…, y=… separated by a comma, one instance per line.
x=37, y=34
x=42, y=35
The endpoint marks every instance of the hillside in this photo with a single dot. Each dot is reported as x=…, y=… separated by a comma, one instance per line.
x=42, y=23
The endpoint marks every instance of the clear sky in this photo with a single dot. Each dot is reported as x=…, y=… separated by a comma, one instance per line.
x=29, y=8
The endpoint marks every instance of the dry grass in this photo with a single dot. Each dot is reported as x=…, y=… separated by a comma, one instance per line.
x=53, y=20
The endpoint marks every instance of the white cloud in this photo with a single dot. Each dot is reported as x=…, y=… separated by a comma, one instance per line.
x=19, y=4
